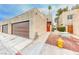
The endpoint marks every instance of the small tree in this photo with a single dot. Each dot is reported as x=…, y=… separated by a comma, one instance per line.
x=65, y=9
x=59, y=12
x=49, y=8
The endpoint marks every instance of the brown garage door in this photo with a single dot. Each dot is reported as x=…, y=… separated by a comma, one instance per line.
x=21, y=29
x=5, y=28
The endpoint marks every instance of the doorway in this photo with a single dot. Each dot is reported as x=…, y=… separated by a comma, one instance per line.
x=48, y=26
x=70, y=28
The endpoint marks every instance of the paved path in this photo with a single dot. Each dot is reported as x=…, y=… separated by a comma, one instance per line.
x=44, y=46
x=54, y=50
x=36, y=46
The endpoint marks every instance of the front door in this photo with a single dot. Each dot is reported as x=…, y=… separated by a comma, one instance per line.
x=70, y=28
x=48, y=26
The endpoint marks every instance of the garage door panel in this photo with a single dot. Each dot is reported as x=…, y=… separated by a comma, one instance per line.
x=5, y=28
x=21, y=29
x=21, y=33
x=25, y=26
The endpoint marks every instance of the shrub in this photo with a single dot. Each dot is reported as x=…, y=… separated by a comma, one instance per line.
x=53, y=29
x=61, y=29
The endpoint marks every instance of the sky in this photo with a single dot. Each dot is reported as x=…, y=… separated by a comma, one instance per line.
x=8, y=11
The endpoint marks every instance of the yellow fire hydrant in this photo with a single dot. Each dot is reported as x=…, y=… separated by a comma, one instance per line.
x=60, y=42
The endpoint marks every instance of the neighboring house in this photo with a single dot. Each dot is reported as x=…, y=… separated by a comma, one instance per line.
x=28, y=24
x=70, y=19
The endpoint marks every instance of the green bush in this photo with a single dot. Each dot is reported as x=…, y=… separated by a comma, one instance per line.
x=53, y=29
x=61, y=29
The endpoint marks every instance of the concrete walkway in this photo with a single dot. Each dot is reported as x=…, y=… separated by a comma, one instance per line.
x=36, y=46
x=54, y=50
x=41, y=47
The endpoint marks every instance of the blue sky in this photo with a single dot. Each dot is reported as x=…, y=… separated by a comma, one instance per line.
x=8, y=11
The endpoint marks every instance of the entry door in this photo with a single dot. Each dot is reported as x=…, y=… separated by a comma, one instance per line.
x=21, y=29
x=70, y=28
x=48, y=26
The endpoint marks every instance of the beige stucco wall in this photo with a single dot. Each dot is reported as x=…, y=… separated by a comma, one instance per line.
x=37, y=23
x=75, y=21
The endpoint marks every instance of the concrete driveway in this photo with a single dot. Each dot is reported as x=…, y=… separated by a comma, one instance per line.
x=45, y=44
x=11, y=44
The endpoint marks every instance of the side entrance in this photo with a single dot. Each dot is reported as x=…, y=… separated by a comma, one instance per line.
x=70, y=28
x=48, y=26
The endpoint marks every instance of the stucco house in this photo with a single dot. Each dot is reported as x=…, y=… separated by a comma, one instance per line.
x=26, y=25
x=70, y=19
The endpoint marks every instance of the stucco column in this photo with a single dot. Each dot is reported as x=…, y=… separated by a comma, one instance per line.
x=9, y=28
x=1, y=29
x=66, y=28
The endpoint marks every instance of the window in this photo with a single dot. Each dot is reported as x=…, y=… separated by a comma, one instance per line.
x=70, y=17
